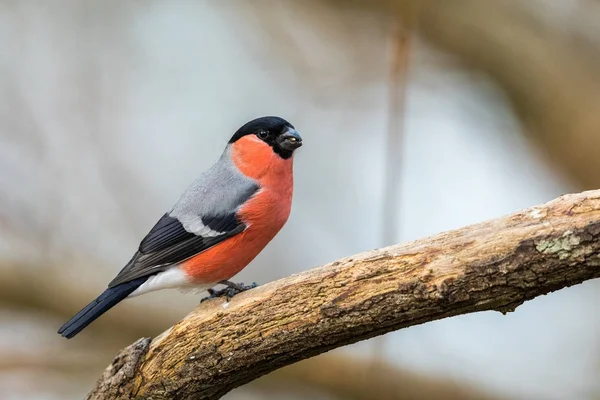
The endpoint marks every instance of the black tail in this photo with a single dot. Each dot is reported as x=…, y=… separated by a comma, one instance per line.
x=107, y=300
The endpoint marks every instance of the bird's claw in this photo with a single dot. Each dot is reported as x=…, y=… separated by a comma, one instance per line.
x=231, y=290
x=238, y=287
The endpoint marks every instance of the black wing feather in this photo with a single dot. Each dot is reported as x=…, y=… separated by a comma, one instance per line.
x=222, y=223
x=168, y=243
x=167, y=232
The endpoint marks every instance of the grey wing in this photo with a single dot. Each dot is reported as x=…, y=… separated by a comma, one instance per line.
x=205, y=215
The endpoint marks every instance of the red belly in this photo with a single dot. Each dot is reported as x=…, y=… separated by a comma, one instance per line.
x=265, y=214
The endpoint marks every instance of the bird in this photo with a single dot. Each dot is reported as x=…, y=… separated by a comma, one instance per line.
x=221, y=222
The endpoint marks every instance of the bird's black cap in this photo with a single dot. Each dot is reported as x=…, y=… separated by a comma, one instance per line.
x=275, y=131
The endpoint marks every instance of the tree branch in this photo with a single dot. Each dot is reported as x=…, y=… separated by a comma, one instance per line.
x=495, y=265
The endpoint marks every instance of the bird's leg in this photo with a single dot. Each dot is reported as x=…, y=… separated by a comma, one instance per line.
x=231, y=290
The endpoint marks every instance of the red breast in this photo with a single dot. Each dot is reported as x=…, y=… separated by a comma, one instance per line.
x=264, y=214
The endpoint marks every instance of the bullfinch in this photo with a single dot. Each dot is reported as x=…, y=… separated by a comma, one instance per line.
x=221, y=222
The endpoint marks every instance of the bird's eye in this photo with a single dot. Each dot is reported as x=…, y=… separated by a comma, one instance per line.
x=263, y=134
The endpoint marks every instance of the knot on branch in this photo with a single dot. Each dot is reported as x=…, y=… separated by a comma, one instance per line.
x=117, y=380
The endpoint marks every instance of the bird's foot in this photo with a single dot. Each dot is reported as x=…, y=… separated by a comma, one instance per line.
x=231, y=290
x=238, y=287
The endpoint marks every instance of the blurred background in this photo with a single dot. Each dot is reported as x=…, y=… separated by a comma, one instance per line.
x=417, y=117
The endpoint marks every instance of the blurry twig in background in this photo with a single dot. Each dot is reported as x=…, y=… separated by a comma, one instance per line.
x=77, y=362
x=356, y=379
x=495, y=265
x=400, y=38
x=21, y=286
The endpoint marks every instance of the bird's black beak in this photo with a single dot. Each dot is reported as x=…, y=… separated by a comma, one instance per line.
x=289, y=139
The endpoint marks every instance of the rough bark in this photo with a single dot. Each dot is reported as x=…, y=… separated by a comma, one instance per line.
x=495, y=265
